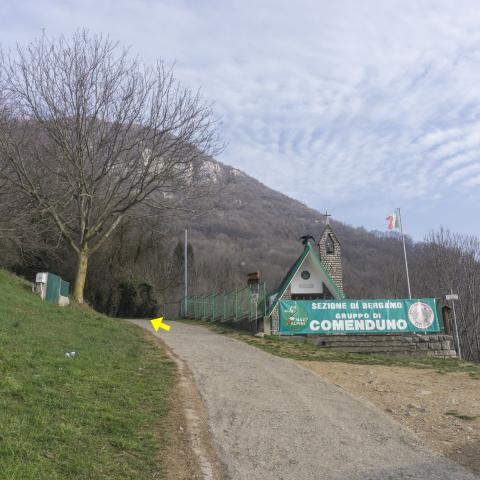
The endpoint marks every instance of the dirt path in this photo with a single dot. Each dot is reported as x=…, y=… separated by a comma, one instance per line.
x=273, y=419
x=442, y=409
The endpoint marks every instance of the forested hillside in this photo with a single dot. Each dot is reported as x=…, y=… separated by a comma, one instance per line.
x=248, y=226
x=98, y=186
x=243, y=226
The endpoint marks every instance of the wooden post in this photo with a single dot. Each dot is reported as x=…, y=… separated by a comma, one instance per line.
x=447, y=326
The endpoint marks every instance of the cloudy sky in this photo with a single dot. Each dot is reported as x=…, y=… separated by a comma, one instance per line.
x=354, y=106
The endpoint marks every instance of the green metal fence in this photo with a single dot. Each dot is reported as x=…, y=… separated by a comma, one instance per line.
x=56, y=287
x=238, y=304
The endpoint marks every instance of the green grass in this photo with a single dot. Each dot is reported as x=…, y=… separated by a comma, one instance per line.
x=99, y=415
x=289, y=348
x=461, y=416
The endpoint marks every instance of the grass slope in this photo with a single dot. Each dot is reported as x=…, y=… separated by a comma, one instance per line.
x=98, y=415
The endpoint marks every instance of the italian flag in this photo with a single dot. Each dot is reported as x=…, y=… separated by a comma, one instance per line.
x=392, y=221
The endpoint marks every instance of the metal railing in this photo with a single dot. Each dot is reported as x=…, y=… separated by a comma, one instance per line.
x=169, y=310
x=239, y=304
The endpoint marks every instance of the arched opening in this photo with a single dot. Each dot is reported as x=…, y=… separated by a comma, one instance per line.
x=329, y=245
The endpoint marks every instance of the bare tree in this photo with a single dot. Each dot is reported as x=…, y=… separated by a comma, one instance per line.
x=451, y=262
x=88, y=134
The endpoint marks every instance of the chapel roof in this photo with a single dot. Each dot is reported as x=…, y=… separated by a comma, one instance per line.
x=309, y=249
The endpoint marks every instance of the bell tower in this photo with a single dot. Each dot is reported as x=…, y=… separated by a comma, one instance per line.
x=330, y=252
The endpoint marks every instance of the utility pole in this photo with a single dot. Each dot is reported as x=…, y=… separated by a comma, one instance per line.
x=185, y=273
x=452, y=297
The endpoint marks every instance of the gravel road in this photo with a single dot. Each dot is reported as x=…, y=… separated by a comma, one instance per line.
x=273, y=419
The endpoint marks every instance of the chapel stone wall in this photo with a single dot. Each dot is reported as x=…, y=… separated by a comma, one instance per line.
x=331, y=261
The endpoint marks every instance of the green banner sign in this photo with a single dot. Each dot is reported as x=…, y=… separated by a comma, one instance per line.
x=359, y=316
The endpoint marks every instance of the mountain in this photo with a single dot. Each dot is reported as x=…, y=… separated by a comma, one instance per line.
x=244, y=226
x=248, y=227
x=238, y=227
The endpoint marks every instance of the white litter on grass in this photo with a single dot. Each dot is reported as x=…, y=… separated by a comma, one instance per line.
x=70, y=354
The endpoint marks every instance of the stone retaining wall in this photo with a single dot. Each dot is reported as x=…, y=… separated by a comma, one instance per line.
x=434, y=345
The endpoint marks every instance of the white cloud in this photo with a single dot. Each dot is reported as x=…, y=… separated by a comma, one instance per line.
x=341, y=103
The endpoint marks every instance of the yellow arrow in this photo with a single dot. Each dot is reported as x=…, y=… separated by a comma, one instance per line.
x=158, y=323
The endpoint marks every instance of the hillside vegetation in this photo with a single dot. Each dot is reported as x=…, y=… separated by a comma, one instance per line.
x=244, y=226
x=100, y=414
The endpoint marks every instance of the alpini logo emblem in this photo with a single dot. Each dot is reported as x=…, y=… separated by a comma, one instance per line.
x=421, y=315
x=296, y=317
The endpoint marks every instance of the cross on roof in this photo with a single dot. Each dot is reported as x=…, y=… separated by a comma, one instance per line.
x=327, y=217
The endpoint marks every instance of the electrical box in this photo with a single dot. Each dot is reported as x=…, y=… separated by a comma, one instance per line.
x=40, y=285
x=41, y=277
x=52, y=288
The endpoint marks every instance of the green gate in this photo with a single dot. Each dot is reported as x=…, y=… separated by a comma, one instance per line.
x=56, y=287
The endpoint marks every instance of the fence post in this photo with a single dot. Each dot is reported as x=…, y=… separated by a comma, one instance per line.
x=252, y=306
x=224, y=301
x=265, y=300
x=235, y=300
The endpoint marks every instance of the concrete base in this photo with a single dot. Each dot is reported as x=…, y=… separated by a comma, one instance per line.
x=265, y=326
x=63, y=301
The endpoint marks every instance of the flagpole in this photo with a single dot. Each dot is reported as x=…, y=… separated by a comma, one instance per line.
x=405, y=253
x=185, y=273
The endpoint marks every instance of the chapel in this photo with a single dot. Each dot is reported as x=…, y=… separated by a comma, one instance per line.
x=316, y=274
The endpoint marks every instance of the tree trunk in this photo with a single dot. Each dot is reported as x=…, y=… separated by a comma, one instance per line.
x=81, y=275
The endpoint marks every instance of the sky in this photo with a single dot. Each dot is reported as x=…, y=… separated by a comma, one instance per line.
x=353, y=106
